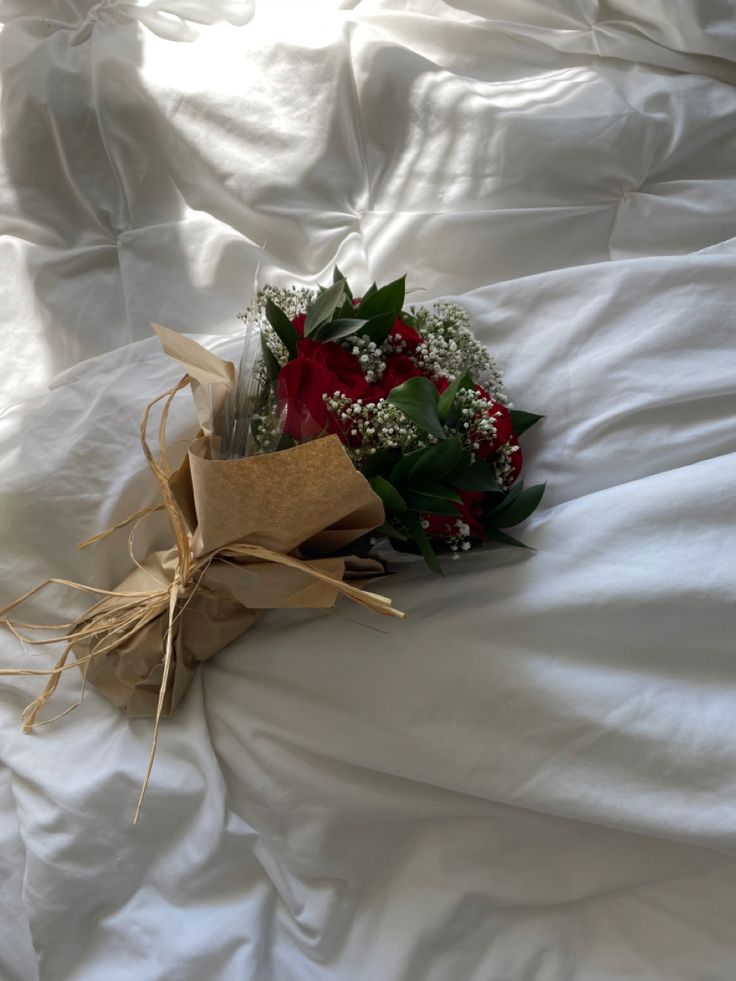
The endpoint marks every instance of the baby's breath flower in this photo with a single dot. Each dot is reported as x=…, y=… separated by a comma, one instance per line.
x=458, y=538
x=504, y=470
x=449, y=348
x=374, y=426
x=274, y=342
x=368, y=353
x=476, y=423
x=292, y=299
x=266, y=427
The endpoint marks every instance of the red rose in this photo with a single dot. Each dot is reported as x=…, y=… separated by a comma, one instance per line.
x=470, y=511
x=317, y=370
x=300, y=385
x=401, y=331
x=505, y=434
x=504, y=430
x=298, y=323
x=340, y=362
x=399, y=368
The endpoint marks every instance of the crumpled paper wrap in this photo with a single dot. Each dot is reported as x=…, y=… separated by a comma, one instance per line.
x=305, y=501
x=308, y=500
x=250, y=535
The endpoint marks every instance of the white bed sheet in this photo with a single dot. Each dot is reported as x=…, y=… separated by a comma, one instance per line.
x=533, y=776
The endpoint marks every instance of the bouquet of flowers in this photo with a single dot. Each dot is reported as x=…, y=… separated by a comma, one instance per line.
x=415, y=400
x=381, y=422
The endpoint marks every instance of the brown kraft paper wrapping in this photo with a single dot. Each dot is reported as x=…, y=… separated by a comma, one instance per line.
x=250, y=534
x=307, y=502
x=308, y=496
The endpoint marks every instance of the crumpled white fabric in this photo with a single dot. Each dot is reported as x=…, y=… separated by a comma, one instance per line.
x=532, y=776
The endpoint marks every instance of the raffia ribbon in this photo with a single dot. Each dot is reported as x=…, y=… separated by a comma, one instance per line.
x=249, y=535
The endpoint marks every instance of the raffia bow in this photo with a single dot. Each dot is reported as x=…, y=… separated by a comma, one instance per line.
x=261, y=563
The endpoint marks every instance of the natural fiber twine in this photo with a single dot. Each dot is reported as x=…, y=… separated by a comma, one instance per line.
x=105, y=627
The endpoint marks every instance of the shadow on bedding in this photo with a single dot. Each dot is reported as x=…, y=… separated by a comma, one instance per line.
x=136, y=190
x=86, y=171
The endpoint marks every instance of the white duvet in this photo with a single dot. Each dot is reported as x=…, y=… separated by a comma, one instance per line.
x=533, y=777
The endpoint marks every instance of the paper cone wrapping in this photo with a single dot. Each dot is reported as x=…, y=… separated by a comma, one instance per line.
x=310, y=496
x=307, y=501
x=249, y=534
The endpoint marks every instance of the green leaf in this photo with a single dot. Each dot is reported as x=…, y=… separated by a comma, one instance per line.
x=520, y=509
x=408, y=547
x=378, y=328
x=414, y=527
x=402, y=470
x=370, y=291
x=417, y=398
x=388, y=494
x=436, y=462
x=426, y=504
x=389, y=299
x=285, y=330
x=448, y=396
x=323, y=306
x=438, y=491
x=336, y=277
x=269, y=360
x=521, y=421
x=334, y=329
x=390, y=532
x=347, y=310
x=463, y=464
x=478, y=477
x=509, y=498
x=379, y=462
x=501, y=538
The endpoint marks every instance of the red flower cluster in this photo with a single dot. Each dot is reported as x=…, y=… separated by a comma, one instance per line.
x=469, y=511
x=326, y=368
x=400, y=389
x=323, y=368
x=319, y=369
